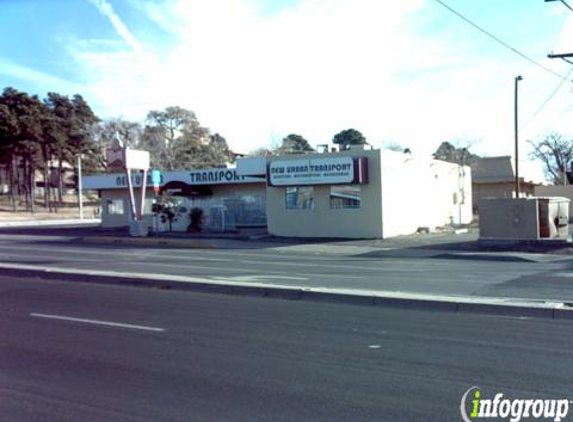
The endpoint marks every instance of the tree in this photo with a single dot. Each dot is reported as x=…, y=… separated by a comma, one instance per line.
x=68, y=131
x=217, y=152
x=455, y=154
x=175, y=139
x=115, y=133
x=23, y=142
x=393, y=146
x=556, y=154
x=294, y=144
x=35, y=134
x=348, y=137
x=263, y=152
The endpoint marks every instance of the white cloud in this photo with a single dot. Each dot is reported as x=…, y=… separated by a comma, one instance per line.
x=314, y=69
x=107, y=10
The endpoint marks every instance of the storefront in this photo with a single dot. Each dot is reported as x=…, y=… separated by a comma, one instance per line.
x=363, y=194
x=228, y=200
x=352, y=194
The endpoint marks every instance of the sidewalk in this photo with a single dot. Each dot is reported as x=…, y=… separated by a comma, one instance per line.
x=446, y=244
x=444, y=247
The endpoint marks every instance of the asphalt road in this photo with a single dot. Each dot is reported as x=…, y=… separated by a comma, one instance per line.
x=401, y=272
x=191, y=357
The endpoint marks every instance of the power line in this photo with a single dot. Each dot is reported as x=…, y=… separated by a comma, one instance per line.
x=549, y=98
x=506, y=45
x=562, y=1
x=566, y=5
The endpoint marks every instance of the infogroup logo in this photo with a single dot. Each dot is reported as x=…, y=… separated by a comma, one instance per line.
x=478, y=408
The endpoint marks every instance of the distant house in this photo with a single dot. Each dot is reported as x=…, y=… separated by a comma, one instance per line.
x=494, y=177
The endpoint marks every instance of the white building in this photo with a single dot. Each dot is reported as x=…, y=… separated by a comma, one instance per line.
x=351, y=194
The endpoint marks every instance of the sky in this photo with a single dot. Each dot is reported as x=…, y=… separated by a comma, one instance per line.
x=408, y=72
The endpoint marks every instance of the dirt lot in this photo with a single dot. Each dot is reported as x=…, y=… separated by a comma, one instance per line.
x=68, y=210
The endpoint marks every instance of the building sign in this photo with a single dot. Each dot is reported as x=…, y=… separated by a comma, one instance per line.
x=216, y=176
x=318, y=171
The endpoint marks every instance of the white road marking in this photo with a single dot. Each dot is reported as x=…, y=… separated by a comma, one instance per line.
x=95, y=322
x=257, y=278
x=374, y=346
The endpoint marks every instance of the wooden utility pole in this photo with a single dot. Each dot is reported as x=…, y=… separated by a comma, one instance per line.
x=517, y=79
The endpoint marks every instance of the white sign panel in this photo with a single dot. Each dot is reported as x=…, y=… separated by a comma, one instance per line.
x=252, y=166
x=136, y=159
x=317, y=171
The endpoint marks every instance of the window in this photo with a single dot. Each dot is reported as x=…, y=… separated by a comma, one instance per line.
x=299, y=198
x=346, y=196
x=115, y=207
x=148, y=209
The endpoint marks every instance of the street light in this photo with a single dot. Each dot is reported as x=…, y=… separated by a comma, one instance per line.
x=79, y=185
x=517, y=79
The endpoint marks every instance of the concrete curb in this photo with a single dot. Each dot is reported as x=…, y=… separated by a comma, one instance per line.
x=148, y=241
x=401, y=300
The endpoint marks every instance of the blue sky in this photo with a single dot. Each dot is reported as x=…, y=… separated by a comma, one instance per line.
x=408, y=72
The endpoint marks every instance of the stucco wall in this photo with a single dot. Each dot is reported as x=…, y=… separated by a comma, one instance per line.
x=515, y=219
x=116, y=220
x=423, y=193
x=322, y=220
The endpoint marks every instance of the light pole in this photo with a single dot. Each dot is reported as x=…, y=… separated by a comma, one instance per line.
x=517, y=79
x=80, y=199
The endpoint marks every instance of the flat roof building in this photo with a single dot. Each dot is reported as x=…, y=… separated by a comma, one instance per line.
x=359, y=193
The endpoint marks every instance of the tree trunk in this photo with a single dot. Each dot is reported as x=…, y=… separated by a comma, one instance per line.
x=25, y=182
x=60, y=180
x=47, y=203
x=32, y=181
x=13, y=185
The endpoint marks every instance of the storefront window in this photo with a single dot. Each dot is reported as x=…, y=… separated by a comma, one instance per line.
x=299, y=198
x=115, y=207
x=148, y=209
x=345, y=196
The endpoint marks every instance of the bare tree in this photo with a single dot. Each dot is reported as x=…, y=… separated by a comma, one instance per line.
x=556, y=154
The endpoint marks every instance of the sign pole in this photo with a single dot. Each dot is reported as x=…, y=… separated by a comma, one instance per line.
x=131, y=194
x=143, y=189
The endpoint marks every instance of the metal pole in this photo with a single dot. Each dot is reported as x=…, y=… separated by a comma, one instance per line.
x=131, y=194
x=517, y=79
x=143, y=189
x=80, y=188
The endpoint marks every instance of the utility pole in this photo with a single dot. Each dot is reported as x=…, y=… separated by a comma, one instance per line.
x=517, y=79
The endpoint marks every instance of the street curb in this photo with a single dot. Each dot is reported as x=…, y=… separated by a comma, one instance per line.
x=148, y=241
x=396, y=300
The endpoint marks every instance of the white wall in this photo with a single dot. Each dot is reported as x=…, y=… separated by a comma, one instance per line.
x=419, y=192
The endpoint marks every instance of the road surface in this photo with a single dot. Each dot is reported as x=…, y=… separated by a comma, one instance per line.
x=290, y=266
x=88, y=352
